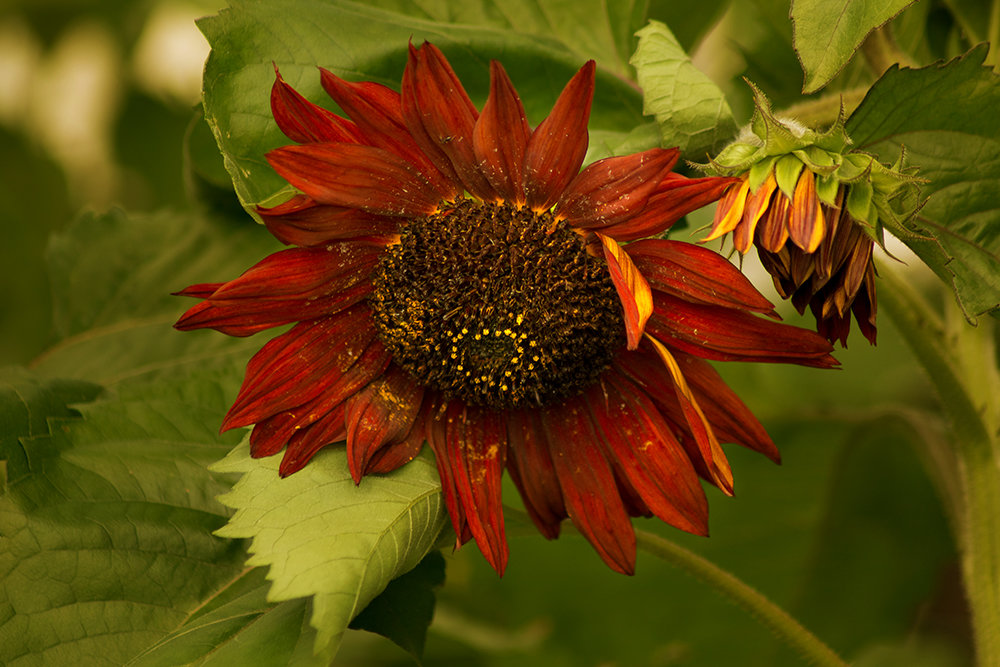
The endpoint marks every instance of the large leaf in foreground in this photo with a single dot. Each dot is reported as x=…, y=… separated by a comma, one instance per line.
x=691, y=111
x=945, y=117
x=107, y=538
x=324, y=537
x=360, y=42
x=828, y=32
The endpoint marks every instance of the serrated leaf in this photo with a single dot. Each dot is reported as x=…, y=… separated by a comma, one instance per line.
x=29, y=407
x=240, y=627
x=690, y=109
x=324, y=537
x=107, y=540
x=826, y=33
x=363, y=42
x=112, y=275
x=957, y=149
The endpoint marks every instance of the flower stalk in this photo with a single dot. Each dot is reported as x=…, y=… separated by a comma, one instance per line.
x=783, y=625
x=961, y=362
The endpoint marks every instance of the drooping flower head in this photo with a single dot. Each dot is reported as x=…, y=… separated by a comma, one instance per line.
x=460, y=281
x=814, y=210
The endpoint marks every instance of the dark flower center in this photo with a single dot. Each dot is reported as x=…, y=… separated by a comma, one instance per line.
x=497, y=306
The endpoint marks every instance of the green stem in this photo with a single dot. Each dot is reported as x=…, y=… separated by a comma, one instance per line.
x=960, y=360
x=774, y=617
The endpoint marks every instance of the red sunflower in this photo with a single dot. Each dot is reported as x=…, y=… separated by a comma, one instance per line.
x=460, y=281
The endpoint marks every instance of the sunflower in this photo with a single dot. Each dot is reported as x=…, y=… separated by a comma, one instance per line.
x=817, y=254
x=459, y=281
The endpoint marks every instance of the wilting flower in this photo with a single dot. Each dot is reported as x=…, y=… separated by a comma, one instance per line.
x=814, y=211
x=460, y=281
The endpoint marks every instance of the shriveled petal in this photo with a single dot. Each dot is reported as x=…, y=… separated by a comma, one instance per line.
x=300, y=365
x=558, y=145
x=640, y=444
x=711, y=452
x=729, y=212
x=588, y=484
x=500, y=137
x=304, y=122
x=696, y=274
x=353, y=176
x=674, y=197
x=772, y=229
x=532, y=471
x=806, y=227
x=615, y=188
x=632, y=288
x=471, y=457
x=756, y=205
x=725, y=334
x=381, y=414
x=289, y=286
x=378, y=111
x=441, y=117
x=303, y=222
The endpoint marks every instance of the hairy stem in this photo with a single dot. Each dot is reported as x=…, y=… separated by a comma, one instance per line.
x=774, y=617
x=961, y=362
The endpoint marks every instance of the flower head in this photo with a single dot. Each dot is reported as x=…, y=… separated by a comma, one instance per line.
x=459, y=280
x=814, y=211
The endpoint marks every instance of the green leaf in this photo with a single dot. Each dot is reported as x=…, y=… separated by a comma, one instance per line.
x=826, y=33
x=107, y=541
x=405, y=608
x=690, y=109
x=956, y=146
x=29, y=407
x=240, y=627
x=368, y=43
x=324, y=537
x=112, y=276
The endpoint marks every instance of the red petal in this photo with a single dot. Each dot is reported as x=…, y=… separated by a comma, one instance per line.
x=696, y=274
x=633, y=290
x=380, y=414
x=532, y=471
x=307, y=441
x=698, y=425
x=378, y=111
x=500, y=137
x=470, y=459
x=675, y=197
x=289, y=286
x=557, y=147
x=300, y=365
x=588, y=485
x=724, y=334
x=199, y=291
x=304, y=122
x=772, y=230
x=614, y=189
x=355, y=176
x=731, y=420
x=441, y=117
x=393, y=456
x=639, y=442
x=303, y=222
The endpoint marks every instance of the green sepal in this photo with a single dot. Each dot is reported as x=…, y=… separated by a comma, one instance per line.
x=760, y=171
x=786, y=172
x=826, y=189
